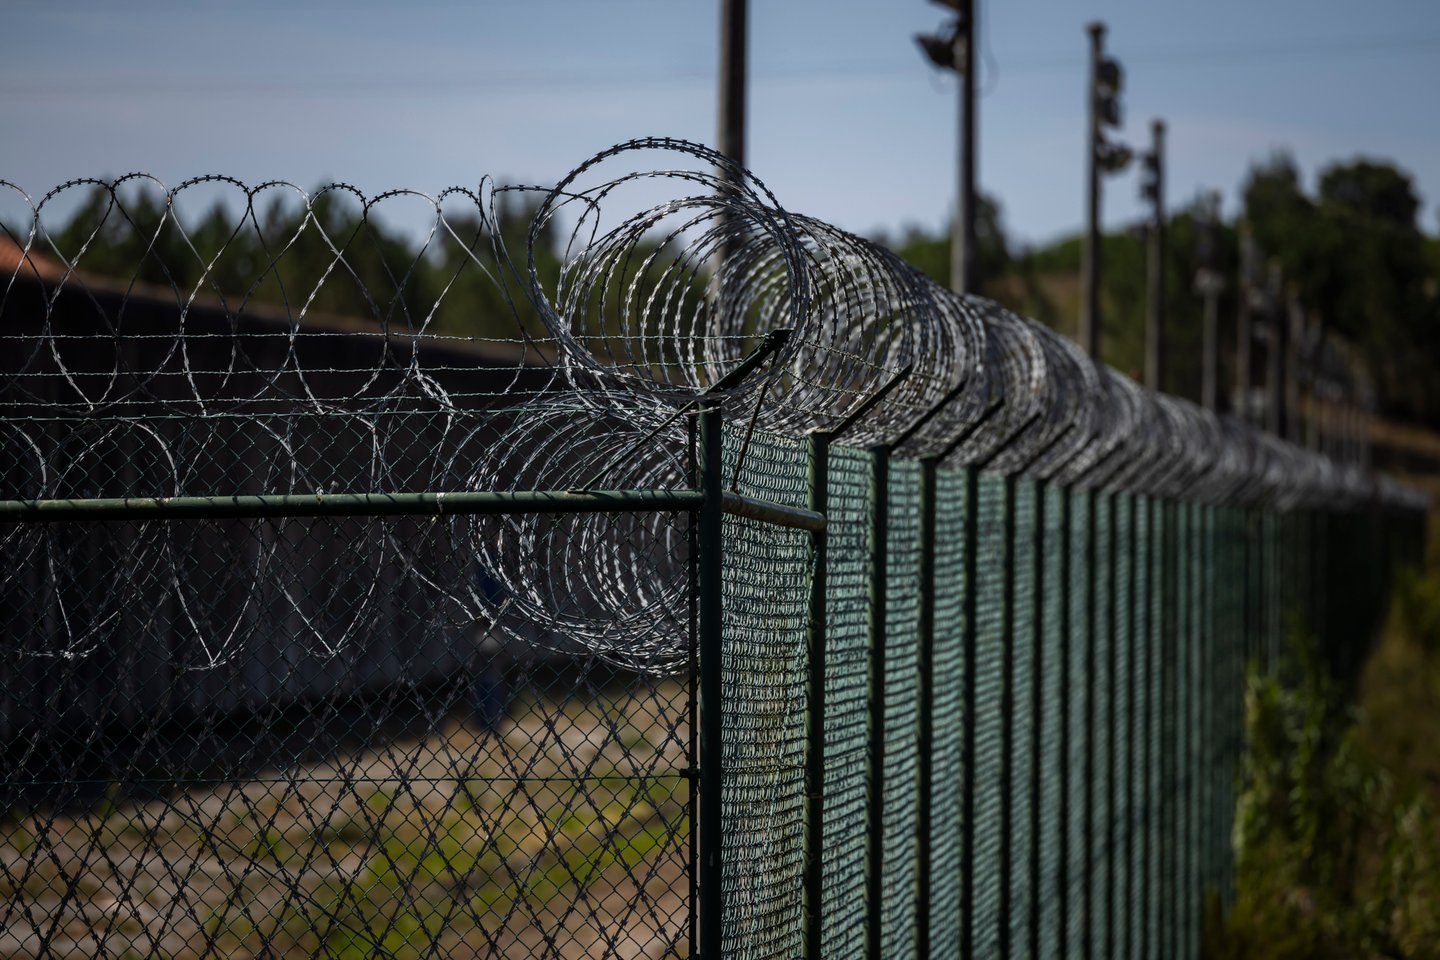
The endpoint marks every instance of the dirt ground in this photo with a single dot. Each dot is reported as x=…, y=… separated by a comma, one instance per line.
x=564, y=833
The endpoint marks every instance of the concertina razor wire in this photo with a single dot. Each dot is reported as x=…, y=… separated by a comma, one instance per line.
x=673, y=264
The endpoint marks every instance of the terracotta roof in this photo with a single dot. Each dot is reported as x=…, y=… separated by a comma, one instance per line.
x=36, y=265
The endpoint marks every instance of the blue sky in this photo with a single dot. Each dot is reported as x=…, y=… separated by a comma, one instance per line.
x=847, y=123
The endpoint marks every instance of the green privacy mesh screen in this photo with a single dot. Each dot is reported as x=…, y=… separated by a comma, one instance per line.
x=989, y=719
x=1255, y=586
x=1049, y=897
x=765, y=602
x=1270, y=554
x=1022, y=664
x=1101, y=703
x=901, y=759
x=1189, y=747
x=948, y=702
x=1171, y=646
x=1122, y=699
x=1143, y=757
x=1078, y=825
x=1158, y=646
x=846, y=692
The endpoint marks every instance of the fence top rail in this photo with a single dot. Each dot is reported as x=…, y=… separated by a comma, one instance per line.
x=460, y=503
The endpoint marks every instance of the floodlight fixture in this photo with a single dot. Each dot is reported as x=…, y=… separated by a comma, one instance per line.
x=938, y=50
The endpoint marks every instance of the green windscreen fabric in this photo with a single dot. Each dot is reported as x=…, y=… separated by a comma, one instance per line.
x=765, y=603
x=989, y=664
x=1122, y=699
x=1233, y=676
x=846, y=692
x=1050, y=897
x=1187, y=745
x=1022, y=719
x=1101, y=704
x=1077, y=812
x=947, y=769
x=1143, y=759
x=901, y=755
x=1271, y=589
x=1158, y=646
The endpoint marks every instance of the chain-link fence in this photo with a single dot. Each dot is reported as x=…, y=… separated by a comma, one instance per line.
x=627, y=569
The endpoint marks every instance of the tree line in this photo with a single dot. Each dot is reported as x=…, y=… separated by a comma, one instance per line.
x=1351, y=252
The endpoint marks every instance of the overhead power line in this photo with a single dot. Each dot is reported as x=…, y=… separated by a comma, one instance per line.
x=471, y=83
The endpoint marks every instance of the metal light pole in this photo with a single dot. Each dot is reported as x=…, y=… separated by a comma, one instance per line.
x=1153, y=189
x=1209, y=284
x=1276, y=348
x=955, y=51
x=1244, y=324
x=730, y=137
x=1101, y=157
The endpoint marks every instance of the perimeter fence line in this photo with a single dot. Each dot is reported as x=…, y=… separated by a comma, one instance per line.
x=683, y=577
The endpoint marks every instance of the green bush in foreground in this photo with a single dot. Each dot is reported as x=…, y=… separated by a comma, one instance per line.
x=1337, y=837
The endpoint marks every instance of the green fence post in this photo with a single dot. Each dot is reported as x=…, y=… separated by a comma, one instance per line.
x=709, y=854
x=818, y=501
x=1088, y=896
x=1126, y=900
x=875, y=757
x=1149, y=629
x=1112, y=838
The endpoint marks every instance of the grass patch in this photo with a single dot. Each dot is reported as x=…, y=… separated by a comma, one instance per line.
x=1337, y=834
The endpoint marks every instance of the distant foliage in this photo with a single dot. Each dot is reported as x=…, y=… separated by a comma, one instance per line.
x=1337, y=835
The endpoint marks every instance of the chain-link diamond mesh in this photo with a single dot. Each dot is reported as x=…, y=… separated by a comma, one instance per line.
x=428, y=788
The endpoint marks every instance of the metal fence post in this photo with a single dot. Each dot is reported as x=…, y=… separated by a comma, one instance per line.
x=1088, y=895
x=710, y=875
x=818, y=497
x=875, y=757
x=1112, y=844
